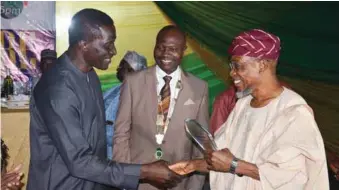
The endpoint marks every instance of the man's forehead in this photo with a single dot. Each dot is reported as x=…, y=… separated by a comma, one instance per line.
x=170, y=41
x=241, y=59
x=171, y=35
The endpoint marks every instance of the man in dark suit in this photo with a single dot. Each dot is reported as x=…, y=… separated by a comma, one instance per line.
x=67, y=129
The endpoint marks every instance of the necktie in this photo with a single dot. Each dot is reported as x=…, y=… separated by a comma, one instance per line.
x=165, y=94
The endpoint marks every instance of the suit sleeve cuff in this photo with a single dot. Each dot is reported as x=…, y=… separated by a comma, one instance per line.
x=132, y=176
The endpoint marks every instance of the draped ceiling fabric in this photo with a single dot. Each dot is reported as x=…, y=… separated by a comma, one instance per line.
x=309, y=34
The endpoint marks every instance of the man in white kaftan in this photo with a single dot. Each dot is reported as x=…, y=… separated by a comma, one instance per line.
x=271, y=139
x=282, y=139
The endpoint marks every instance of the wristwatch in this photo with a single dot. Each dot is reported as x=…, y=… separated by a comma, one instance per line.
x=234, y=165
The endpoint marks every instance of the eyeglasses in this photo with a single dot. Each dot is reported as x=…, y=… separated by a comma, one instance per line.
x=237, y=66
x=231, y=65
x=234, y=65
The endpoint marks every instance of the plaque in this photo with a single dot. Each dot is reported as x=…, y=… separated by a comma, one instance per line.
x=200, y=135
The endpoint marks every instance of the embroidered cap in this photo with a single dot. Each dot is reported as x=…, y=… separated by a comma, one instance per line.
x=256, y=43
x=135, y=60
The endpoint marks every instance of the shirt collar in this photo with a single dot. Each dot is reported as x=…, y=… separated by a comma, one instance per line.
x=160, y=73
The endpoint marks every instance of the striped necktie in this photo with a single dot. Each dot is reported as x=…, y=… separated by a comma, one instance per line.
x=165, y=94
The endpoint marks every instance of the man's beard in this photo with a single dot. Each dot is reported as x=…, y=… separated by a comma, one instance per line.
x=244, y=93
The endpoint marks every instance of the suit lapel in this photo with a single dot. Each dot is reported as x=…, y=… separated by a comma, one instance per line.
x=178, y=111
x=152, y=99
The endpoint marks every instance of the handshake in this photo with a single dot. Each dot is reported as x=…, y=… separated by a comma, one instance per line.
x=162, y=175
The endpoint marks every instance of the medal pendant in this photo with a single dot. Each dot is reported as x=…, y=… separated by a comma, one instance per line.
x=159, y=138
x=158, y=153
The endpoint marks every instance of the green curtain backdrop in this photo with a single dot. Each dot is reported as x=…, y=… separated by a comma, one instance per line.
x=309, y=32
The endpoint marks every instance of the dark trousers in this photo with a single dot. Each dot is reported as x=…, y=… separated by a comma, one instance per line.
x=207, y=183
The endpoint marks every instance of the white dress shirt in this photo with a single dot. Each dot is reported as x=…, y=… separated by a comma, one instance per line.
x=176, y=76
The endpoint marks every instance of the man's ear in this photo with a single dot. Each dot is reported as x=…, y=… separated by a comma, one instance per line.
x=83, y=46
x=263, y=65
